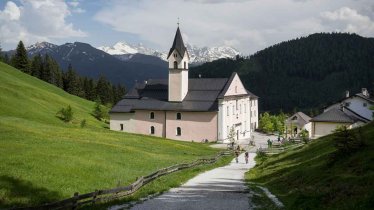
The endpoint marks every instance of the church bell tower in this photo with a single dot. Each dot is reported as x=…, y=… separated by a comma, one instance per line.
x=178, y=59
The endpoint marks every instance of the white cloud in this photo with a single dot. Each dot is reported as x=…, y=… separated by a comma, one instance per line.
x=37, y=20
x=248, y=25
x=11, y=11
x=348, y=20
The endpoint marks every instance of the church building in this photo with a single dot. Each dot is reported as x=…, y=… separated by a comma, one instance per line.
x=187, y=109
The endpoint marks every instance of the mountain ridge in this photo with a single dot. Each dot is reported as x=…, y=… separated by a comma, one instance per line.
x=198, y=55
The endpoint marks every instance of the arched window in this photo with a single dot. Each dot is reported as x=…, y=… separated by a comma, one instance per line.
x=179, y=116
x=175, y=65
x=152, y=115
x=152, y=130
x=179, y=131
x=185, y=65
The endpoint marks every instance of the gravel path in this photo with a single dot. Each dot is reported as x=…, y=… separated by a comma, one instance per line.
x=220, y=188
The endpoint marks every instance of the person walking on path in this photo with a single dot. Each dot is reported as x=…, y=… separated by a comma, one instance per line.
x=246, y=155
x=237, y=156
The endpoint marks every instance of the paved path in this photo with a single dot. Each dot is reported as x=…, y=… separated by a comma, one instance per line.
x=220, y=188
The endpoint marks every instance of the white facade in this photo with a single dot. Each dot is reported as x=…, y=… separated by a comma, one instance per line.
x=237, y=110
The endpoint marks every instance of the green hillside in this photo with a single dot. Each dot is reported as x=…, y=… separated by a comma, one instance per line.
x=307, y=178
x=304, y=73
x=44, y=159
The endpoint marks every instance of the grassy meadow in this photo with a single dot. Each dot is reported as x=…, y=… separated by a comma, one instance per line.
x=306, y=178
x=43, y=159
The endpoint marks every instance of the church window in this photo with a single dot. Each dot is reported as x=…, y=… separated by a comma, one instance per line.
x=179, y=116
x=152, y=130
x=228, y=110
x=365, y=104
x=175, y=64
x=179, y=131
x=121, y=125
x=152, y=115
x=185, y=65
x=236, y=89
x=233, y=109
x=245, y=108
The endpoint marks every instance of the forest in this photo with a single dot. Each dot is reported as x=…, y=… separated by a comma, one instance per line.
x=47, y=69
x=304, y=74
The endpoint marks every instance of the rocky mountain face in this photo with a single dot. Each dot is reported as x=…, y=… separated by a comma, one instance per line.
x=125, y=51
x=91, y=62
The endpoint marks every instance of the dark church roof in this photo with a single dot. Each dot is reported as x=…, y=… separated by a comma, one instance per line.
x=202, y=95
x=178, y=44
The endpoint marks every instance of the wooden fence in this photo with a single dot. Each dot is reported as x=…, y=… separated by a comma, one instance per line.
x=111, y=194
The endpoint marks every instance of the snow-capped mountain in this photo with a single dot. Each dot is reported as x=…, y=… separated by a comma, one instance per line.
x=41, y=47
x=124, y=51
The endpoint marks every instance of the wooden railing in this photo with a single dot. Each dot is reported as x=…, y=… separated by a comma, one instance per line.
x=111, y=194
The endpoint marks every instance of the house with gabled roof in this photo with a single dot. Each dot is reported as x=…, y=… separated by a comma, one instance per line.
x=351, y=111
x=297, y=123
x=187, y=109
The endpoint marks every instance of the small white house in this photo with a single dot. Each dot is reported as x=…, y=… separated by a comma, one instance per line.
x=298, y=122
x=352, y=111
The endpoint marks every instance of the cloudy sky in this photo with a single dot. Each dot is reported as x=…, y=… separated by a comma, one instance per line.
x=247, y=25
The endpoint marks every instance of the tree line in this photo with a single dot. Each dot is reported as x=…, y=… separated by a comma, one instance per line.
x=47, y=69
x=303, y=74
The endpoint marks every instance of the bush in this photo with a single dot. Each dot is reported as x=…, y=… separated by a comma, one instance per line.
x=261, y=153
x=65, y=114
x=304, y=134
x=346, y=142
x=83, y=123
x=100, y=112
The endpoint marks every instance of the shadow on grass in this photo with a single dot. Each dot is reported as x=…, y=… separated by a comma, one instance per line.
x=20, y=193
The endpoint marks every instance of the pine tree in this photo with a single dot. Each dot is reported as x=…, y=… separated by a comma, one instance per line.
x=103, y=90
x=70, y=81
x=1, y=54
x=20, y=59
x=56, y=74
x=46, y=71
x=6, y=59
x=36, y=66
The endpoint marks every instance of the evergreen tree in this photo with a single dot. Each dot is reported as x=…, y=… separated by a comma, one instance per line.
x=71, y=81
x=37, y=66
x=20, y=59
x=89, y=89
x=103, y=90
x=56, y=74
x=120, y=93
x=46, y=71
x=6, y=58
x=1, y=54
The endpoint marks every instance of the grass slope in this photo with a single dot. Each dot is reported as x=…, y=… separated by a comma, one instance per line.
x=43, y=159
x=305, y=178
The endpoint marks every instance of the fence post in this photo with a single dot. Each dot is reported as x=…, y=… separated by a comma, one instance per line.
x=94, y=197
x=75, y=201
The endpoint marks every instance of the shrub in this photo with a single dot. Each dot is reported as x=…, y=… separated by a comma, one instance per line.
x=83, y=123
x=346, y=142
x=261, y=153
x=65, y=114
x=304, y=134
x=100, y=112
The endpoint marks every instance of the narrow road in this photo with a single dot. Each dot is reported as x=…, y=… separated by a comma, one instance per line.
x=220, y=188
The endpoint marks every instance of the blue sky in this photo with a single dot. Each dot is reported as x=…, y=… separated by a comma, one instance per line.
x=247, y=25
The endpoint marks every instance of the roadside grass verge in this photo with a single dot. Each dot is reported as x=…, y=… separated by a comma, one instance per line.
x=305, y=178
